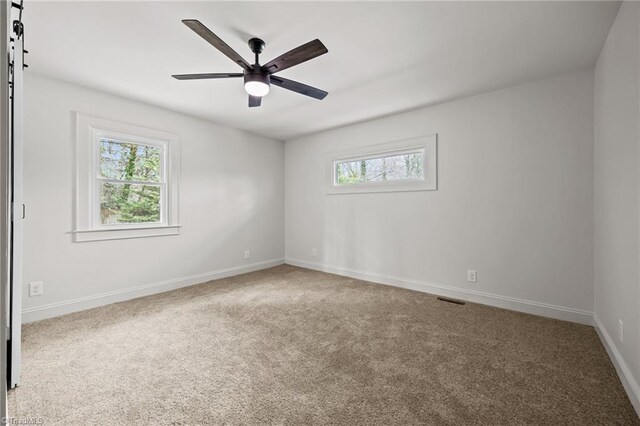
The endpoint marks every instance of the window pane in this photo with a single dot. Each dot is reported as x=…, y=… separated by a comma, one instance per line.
x=394, y=167
x=129, y=203
x=129, y=161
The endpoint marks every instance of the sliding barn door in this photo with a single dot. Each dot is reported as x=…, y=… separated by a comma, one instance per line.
x=18, y=215
x=5, y=204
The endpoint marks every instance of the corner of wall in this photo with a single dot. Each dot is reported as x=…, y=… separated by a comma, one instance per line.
x=616, y=132
x=629, y=383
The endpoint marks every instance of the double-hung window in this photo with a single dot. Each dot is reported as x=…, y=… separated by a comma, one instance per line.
x=131, y=187
x=126, y=181
x=407, y=165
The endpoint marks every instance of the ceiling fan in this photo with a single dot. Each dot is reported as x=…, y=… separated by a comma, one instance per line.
x=258, y=78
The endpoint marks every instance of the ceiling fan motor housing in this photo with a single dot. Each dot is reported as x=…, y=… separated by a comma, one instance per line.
x=257, y=75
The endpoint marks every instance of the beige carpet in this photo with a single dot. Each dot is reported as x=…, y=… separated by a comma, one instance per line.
x=292, y=346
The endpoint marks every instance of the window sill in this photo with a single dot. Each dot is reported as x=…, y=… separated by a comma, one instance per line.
x=120, y=234
x=366, y=188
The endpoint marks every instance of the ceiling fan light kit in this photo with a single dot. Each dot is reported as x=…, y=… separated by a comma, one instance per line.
x=258, y=78
x=256, y=84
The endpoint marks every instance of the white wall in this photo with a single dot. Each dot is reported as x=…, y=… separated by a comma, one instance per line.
x=515, y=202
x=231, y=199
x=617, y=196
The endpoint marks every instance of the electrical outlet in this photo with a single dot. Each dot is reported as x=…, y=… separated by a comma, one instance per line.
x=247, y=254
x=36, y=288
x=472, y=276
x=314, y=252
x=621, y=331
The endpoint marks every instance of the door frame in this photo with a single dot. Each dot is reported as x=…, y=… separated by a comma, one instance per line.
x=4, y=200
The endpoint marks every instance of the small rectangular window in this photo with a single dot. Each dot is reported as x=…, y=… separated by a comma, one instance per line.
x=393, y=167
x=408, y=165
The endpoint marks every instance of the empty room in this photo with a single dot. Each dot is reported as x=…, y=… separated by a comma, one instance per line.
x=346, y=213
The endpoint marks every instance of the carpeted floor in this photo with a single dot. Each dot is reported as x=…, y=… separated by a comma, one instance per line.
x=293, y=346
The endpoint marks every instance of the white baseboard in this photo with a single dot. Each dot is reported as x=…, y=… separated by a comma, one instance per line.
x=505, y=302
x=82, y=303
x=626, y=377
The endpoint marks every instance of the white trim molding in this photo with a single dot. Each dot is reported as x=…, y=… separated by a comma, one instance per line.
x=89, y=131
x=123, y=234
x=94, y=301
x=629, y=383
x=505, y=302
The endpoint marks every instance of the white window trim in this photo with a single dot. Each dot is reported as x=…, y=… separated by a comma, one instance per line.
x=87, y=216
x=427, y=144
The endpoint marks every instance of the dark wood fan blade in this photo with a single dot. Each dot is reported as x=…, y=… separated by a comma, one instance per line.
x=216, y=42
x=298, y=87
x=208, y=75
x=254, y=101
x=296, y=56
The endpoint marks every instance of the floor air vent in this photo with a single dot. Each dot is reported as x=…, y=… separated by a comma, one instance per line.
x=446, y=299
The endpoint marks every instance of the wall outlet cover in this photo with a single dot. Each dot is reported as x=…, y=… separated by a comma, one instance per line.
x=621, y=331
x=36, y=288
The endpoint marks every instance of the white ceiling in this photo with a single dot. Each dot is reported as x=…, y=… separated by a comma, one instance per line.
x=384, y=57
